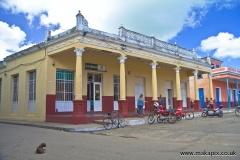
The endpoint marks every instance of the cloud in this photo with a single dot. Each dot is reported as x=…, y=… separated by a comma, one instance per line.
x=11, y=40
x=163, y=19
x=223, y=45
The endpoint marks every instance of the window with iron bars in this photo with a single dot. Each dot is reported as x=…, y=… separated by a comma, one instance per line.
x=116, y=86
x=15, y=93
x=31, y=90
x=32, y=86
x=64, y=85
x=15, y=89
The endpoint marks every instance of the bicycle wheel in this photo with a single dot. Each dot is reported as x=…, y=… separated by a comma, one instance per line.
x=172, y=118
x=189, y=115
x=237, y=111
x=107, y=123
x=151, y=119
x=121, y=122
x=115, y=123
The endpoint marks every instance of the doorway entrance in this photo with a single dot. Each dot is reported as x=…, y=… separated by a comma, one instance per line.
x=183, y=94
x=94, y=92
x=169, y=98
x=201, y=97
x=139, y=88
x=217, y=97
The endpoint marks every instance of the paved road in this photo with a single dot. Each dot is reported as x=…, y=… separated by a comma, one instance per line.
x=157, y=141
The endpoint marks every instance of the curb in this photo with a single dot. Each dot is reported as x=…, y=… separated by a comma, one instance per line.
x=93, y=129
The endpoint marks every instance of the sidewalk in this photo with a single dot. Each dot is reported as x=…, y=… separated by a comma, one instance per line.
x=88, y=127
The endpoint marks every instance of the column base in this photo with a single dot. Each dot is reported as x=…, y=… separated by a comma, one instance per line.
x=78, y=112
x=197, y=106
x=123, y=108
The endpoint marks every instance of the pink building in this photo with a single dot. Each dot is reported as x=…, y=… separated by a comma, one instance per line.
x=225, y=85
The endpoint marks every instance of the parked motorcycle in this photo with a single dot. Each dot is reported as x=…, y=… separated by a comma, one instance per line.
x=162, y=114
x=237, y=111
x=216, y=112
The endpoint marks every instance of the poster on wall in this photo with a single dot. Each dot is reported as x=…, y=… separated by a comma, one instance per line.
x=95, y=67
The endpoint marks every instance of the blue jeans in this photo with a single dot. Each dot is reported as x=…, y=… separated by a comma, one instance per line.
x=140, y=109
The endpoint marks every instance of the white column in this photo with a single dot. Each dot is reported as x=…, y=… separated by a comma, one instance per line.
x=196, y=85
x=154, y=81
x=78, y=76
x=122, y=78
x=178, y=85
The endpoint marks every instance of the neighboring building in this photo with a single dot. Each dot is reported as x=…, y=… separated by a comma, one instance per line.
x=225, y=85
x=81, y=74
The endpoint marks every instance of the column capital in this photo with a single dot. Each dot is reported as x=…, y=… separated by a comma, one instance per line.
x=209, y=75
x=154, y=64
x=79, y=51
x=122, y=59
x=195, y=72
x=177, y=69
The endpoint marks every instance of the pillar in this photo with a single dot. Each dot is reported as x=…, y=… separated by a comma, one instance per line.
x=122, y=103
x=188, y=95
x=237, y=92
x=154, y=81
x=79, y=107
x=210, y=86
x=228, y=94
x=154, y=84
x=196, y=101
x=179, y=101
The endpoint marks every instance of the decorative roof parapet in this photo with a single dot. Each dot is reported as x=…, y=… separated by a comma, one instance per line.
x=134, y=38
x=3, y=64
x=151, y=42
x=94, y=31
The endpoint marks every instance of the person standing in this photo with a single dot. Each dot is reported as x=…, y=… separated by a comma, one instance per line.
x=207, y=102
x=140, y=104
x=211, y=103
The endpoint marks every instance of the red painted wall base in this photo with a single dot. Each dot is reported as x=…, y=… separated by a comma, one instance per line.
x=197, y=106
x=79, y=109
x=123, y=107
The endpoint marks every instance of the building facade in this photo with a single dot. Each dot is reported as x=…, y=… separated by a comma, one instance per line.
x=83, y=72
x=225, y=85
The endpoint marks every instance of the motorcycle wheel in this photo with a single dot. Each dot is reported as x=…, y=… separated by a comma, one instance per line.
x=237, y=111
x=220, y=114
x=204, y=114
x=179, y=117
x=151, y=119
x=159, y=119
x=172, y=118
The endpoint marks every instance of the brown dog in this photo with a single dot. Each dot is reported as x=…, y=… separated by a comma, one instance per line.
x=40, y=149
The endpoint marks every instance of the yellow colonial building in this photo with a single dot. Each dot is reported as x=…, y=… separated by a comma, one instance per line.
x=79, y=75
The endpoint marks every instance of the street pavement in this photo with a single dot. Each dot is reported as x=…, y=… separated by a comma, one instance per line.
x=136, y=142
x=91, y=127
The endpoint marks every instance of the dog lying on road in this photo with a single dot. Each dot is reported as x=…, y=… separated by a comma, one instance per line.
x=40, y=149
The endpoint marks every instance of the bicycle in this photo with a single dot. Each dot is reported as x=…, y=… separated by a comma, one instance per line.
x=113, y=119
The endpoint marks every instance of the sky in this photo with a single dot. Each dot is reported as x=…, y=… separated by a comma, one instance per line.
x=210, y=27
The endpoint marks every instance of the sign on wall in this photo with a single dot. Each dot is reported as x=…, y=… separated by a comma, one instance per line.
x=95, y=67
